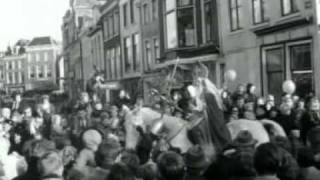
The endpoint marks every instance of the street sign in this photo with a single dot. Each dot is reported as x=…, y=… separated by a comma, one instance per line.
x=110, y=85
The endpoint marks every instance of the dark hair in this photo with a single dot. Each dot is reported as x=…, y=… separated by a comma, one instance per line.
x=289, y=169
x=148, y=172
x=283, y=142
x=267, y=159
x=171, y=166
x=144, y=147
x=314, y=138
x=131, y=159
x=242, y=164
x=120, y=171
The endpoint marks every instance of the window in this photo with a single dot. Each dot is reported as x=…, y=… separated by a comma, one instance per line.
x=186, y=26
x=108, y=68
x=45, y=56
x=171, y=25
x=125, y=11
x=110, y=26
x=275, y=71
x=105, y=27
x=37, y=57
x=288, y=61
x=236, y=14
x=289, y=7
x=145, y=13
x=118, y=61
x=20, y=78
x=29, y=57
x=127, y=57
x=180, y=25
x=49, y=72
x=116, y=22
x=8, y=78
x=17, y=78
x=154, y=9
x=10, y=65
x=301, y=68
x=112, y=63
x=156, y=49
x=208, y=21
x=32, y=70
x=13, y=78
x=135, y=52
x=40, y=72
x=148, y=54
x=19, y=64
x=80, y=22
x=259, y=11
x=132, y=16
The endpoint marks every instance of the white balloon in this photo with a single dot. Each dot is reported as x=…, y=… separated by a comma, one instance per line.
x=231, y=75
x=289, y=87
x=192, y=91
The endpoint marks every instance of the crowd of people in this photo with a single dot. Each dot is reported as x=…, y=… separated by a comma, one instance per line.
x=86, y=140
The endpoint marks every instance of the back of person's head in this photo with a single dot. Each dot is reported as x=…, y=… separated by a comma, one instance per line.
x=144, y=148
x=267, y=159
x=289, y=167
x=282, y=142
x=195, y=160
x=107, y=153
x=120, y=171
x=37, y=148
x=131, y=159
x=148, y=171
x=242, y=164
x=50, y=165
x=313, y=137
x=171, y=166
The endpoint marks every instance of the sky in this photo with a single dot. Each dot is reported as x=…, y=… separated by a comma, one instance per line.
x=25, y=19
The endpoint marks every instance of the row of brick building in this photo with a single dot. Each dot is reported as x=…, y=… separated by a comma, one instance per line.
x=138, y=44
x=31, y=65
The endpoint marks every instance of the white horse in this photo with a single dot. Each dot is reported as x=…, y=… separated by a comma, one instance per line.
x=175, y=130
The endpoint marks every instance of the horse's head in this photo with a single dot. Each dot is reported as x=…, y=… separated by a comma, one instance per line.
x=140, y=117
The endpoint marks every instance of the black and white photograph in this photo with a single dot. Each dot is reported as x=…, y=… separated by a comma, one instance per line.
x=160, y=90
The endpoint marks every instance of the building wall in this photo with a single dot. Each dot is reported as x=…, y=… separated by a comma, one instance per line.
x=242, y=50
x=86, y=57
x=14, y=72
x=128, y=32
x=97, y=55
x=150, y=33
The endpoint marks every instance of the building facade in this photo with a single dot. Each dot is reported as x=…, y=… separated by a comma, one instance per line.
x=268, y=42
x=42, y=54
x=189, y=33
x=131, y=50
x=13, y=73
x=77, y=45
x=112, y=46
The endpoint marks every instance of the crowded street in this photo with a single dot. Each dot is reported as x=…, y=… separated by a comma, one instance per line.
x=160, y=90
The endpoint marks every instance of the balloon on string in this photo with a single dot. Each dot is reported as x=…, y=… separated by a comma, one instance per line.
x=289, y=87
x=230, y=75
x=192, y=91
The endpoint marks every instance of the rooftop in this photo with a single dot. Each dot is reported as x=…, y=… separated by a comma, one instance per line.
x=38, y=41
